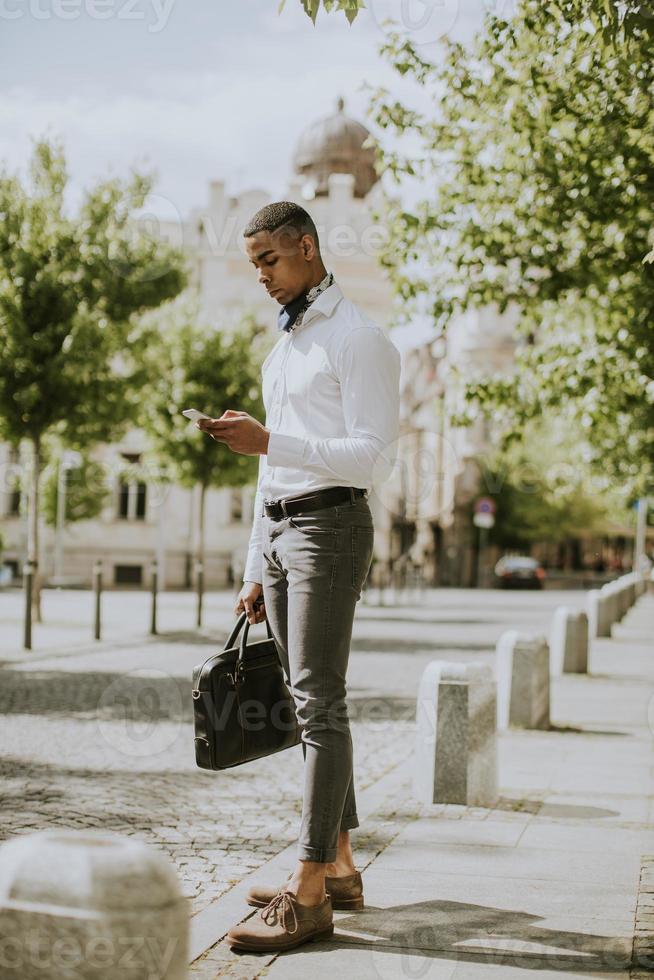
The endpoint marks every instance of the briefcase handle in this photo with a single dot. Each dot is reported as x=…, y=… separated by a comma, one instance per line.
x=231, y=640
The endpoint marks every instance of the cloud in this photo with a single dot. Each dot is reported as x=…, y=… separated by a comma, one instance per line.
x=207, y=98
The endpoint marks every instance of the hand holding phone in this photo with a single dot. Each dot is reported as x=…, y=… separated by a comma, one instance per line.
x=194, y=415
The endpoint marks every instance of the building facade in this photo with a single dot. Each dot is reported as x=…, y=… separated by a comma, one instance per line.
x=143, y=519
x=421, y=515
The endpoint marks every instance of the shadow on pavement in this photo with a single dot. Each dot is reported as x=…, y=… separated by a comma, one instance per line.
x=438, y=929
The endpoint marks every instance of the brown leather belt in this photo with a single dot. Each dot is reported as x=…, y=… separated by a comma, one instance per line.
x=330, y=496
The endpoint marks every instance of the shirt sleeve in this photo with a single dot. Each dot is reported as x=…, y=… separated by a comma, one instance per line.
x=368, y=368
x=254, y=560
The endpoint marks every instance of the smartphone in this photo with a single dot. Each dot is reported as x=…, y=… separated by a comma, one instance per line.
x=194, y=415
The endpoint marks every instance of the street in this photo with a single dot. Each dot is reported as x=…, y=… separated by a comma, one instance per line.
x=103, y=737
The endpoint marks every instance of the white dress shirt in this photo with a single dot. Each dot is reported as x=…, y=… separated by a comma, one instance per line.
x=331, y=389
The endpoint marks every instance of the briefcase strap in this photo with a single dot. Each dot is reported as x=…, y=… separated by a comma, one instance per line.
x=231, y=639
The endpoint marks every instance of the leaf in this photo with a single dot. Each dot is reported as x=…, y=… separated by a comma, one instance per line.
x=311, y=8
x=282, y=4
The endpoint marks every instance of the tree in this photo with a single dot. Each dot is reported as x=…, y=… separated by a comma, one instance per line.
x=618, y=20
x=71, y=290
x=86, y=490
x=545, y=492
x=194, y=364
x=538, y=163
x=311, y=7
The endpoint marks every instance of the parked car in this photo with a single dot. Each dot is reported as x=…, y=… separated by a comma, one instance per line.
x=519, y=572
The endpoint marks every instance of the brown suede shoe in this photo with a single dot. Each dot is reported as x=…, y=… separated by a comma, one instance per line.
x=346, y=893
x=282, y=924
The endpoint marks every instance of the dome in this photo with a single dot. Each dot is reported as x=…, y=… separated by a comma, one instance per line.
x=334, y=145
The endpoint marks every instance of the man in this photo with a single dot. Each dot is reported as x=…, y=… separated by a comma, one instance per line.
x=331, y=392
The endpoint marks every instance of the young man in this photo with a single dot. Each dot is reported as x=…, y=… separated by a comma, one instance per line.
x=331, y=393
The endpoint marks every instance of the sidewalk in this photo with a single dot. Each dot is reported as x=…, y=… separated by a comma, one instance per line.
x=547, y=880
x=68, y=619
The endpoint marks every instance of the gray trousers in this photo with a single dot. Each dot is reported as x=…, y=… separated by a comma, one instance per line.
x=314, y=566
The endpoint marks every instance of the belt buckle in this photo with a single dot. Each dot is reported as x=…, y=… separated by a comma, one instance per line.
x=282, y=504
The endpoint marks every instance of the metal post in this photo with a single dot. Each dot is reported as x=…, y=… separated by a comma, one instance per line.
x=97, y=588
x=199, y=580
x=481, y=558
x=154, y=585
x=61, y=518
x=28, y=582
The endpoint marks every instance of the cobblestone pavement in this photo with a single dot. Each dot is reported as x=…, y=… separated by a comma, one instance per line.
x=104, y=751
x=102, y=737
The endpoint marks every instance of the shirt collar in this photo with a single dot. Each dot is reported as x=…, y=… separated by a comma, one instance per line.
x=324, y=304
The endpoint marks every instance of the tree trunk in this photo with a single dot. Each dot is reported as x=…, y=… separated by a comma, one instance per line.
x=199, y=556
x=33, y=529
x=199, y=553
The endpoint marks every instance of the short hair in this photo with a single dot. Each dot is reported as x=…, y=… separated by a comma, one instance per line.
x=282, y=214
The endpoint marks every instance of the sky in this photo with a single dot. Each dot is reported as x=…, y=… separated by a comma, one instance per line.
x=193, y=90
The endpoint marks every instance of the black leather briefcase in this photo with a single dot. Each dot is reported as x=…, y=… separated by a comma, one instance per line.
x=242, y=708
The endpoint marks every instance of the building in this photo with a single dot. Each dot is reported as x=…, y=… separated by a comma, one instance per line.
x=333, y=175
x=422, y=515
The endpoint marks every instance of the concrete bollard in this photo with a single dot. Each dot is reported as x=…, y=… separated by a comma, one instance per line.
x=598, y=608
x=569, y=642
x=92, y=906
x=523, y=680
x=456, y=749
x=592, y=611
x=622, y=592
x=631, y=589
x=609, y=594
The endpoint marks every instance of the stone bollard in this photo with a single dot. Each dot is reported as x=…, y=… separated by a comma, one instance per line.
x=631, y=589
x=622, y=591
x=569, y=642
x=623, y=596
x=598, y=605
x=609, y=594
x=90, y=906
x=456, y=750
x=523, y=680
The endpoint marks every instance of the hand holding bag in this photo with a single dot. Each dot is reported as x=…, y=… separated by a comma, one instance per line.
x=242, y=708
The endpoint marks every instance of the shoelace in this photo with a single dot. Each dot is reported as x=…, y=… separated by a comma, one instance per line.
x=284, y=902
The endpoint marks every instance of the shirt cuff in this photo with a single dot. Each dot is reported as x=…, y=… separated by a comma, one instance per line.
x=285, y=450
x=254, y=573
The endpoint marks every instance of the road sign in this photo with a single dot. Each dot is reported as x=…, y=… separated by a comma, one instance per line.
x=485, y=505
x=483, y=519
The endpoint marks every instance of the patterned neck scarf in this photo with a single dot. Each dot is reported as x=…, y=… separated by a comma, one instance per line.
x=291, y=315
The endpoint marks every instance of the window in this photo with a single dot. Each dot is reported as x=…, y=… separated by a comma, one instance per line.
x=123, y=500
x=14, y=502
x=140, y=501
x=132, y=492
x=128, y=574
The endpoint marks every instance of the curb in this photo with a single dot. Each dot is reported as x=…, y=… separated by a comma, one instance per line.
x=212, y=923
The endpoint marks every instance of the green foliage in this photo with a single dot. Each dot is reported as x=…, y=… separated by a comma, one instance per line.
x=192, y=364
x=538, y=167
x=546, y=490
x=86, y=491
x=312, y=7
x=71, y=290
x=618, y=20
